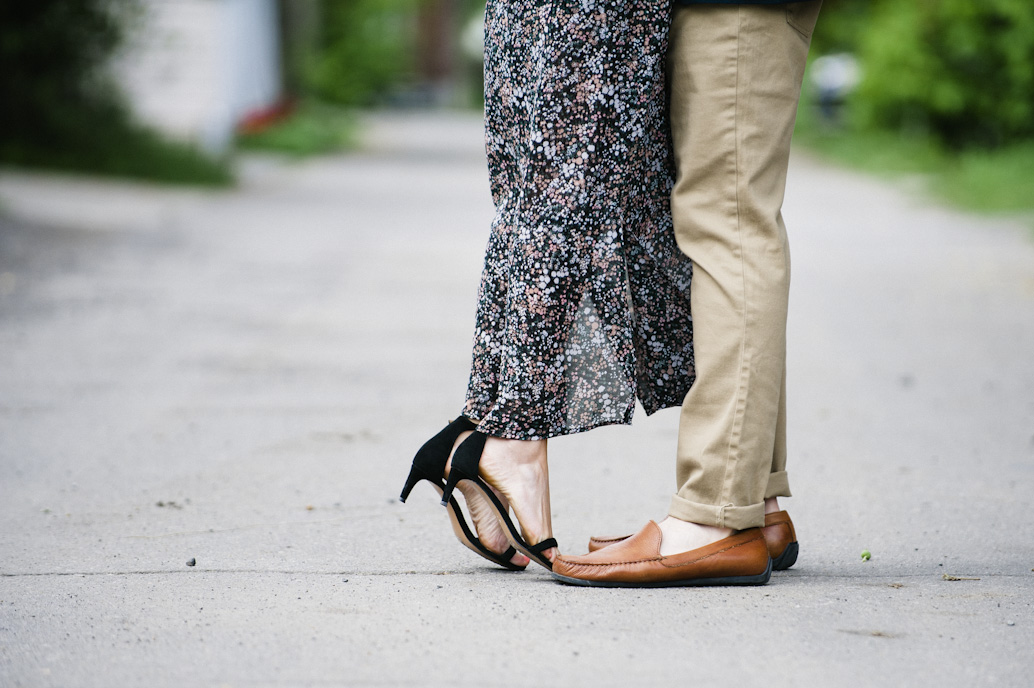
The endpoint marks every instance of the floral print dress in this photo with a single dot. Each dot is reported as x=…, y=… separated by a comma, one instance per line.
x=584, y=298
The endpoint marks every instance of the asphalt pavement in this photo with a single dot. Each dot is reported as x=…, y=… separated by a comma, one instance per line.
x=209, y=401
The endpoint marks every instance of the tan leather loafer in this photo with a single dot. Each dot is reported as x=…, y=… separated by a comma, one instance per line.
x=778, y=531
x=781, y=539
x=636, y=562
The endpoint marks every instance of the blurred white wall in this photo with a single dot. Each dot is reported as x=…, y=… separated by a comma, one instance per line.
x=195, y=68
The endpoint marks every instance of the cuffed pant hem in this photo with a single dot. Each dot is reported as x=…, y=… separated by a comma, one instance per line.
x=729, y=516
x=778, y=485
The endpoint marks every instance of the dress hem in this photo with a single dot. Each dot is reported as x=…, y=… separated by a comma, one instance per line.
x=570, y=430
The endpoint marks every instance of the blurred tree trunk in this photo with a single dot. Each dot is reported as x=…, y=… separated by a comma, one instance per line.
x=299, y=38
x=438, y=34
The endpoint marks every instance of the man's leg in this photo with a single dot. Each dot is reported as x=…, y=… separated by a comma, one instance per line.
x=736, y=74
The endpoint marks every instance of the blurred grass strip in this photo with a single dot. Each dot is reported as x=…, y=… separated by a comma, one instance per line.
x=117, y=147
x=311, y=129
x=999, y=180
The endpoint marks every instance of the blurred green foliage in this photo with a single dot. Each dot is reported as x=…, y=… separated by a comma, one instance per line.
x=961, y=69
x=947, y=93
x=354, y=53
x=58, y=107
x=367, y=49
x=49, y=54
x=364, y=49
x=841, y=25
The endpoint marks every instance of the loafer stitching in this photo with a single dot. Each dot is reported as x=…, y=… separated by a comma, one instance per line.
x=611, y=563
x=712, y=554
x=613, y=539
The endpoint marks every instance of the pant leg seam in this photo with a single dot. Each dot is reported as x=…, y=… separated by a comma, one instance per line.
x=733, y=447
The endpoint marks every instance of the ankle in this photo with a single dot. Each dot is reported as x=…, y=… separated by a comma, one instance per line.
x=771, y=505
x=517, y=452
x=679, y=536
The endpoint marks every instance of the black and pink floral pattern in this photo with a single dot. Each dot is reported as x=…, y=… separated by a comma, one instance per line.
x=584, y=298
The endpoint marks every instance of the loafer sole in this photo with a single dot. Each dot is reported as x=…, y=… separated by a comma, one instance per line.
x=758, y=579
x=787, y=559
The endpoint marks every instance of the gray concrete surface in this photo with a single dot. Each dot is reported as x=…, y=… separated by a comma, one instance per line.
x=242, y=377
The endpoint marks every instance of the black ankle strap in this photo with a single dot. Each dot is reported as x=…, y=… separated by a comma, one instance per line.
x=548, y=543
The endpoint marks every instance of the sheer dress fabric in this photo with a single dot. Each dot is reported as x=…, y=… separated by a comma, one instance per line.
x=584, y=297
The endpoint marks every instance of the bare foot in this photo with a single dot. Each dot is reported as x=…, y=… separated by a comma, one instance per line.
x=519, y=470
x=518, y=473
x=489, y=529
x=679, y=536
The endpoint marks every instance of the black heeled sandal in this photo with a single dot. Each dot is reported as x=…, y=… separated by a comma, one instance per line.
x=429, y=464
x=465, y=464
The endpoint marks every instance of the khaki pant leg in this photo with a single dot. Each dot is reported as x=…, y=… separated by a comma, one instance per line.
x=778, y=480
x=735, y=75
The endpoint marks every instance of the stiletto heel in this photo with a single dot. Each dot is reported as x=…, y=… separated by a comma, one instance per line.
x=465, y=466
x=415, y=476
x=429, y=464
x=450, y=485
